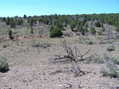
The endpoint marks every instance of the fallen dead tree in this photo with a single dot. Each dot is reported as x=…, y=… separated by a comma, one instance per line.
x=74, y=56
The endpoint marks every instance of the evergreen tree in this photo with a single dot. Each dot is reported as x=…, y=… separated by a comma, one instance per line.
x=55, y=32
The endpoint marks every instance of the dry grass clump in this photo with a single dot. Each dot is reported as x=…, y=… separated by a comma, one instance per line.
x=85, y=40
x=94, y=59
x=40, y=44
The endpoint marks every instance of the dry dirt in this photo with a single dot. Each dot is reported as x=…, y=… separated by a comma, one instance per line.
x=31, y=68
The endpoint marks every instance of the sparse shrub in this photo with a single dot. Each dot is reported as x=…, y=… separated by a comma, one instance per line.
x=5, y=46
x=94, y=59
x=102, y=42
x=93, y=31
x=10, y=33
x=99, y=32
x=115, y=60
x=106, y=41
x=4, y=67
x=83, y=31
x=111, y=48
x=101, y=60
x=107, y=58
x=113, y=72
x=72, y=55
x=110, y=70
x=42, y=45
x=98, y=24
x=117, y=36
x=117, y=29
x=90, y=42
x=55, y=32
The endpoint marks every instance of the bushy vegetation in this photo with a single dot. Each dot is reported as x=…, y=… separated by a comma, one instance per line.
x=110, y=70
x=4, y=67
x=64, y=20
x=41, y=45
x=98, y=24
x=55, y=32
x=93, y=31
x=77, y=23
x=111, y=48
x=13, y=21
x=10, y=33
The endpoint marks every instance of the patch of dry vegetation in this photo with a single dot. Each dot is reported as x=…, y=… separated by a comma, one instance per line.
x=74, y=56
x=4, y=67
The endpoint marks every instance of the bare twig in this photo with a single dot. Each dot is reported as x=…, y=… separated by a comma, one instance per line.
x=75, y=53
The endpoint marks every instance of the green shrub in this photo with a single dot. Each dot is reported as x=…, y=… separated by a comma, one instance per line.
x=90, y=42
x=111, y=70
x=4, y=67
x=98, y=24
x=111, y=48
x=55, y=32
x=93, y=31
x=112, y=73
x=10, y=33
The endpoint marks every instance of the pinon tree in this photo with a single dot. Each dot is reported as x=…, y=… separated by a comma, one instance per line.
x=55, y=31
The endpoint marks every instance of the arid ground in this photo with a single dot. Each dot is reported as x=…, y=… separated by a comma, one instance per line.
x=33, y=66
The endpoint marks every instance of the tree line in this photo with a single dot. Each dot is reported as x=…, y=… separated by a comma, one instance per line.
x=61, y=21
